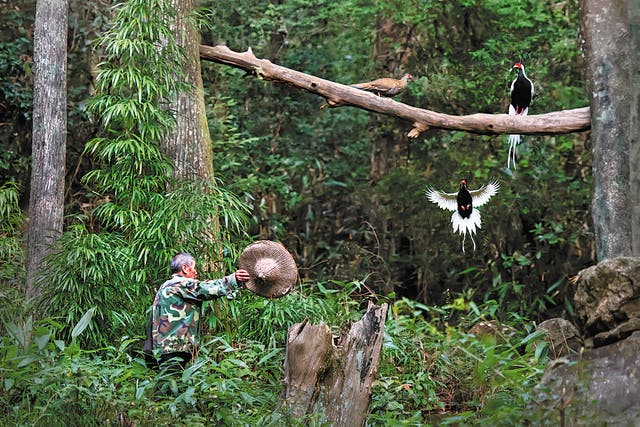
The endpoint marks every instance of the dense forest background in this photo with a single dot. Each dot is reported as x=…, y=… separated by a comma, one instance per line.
x=342, y=188
x=358, y=208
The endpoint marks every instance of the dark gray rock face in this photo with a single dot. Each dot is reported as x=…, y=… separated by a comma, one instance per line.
x=598, y=384
x=607, y=299
x=601, y=386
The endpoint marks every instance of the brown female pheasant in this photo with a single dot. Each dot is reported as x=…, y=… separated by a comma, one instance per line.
x=386, y=86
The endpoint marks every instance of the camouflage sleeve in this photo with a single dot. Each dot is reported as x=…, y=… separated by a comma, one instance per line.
x=210, y=289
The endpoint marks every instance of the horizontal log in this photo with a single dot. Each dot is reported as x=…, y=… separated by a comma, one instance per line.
x=337, y=94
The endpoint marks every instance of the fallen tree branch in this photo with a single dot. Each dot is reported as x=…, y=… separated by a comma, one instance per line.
x=337, y=94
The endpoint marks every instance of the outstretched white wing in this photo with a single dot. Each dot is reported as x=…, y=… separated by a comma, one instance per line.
x=443, y=200
x=484, y=193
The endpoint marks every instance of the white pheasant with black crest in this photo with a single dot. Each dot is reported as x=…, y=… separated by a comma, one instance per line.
x=466, y=217
x=521, y=93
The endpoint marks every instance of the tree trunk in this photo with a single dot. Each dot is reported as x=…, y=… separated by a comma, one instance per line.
x=634, y=125
x=605, y=29
x=46, y=198
x=189, y=145
x=333, y=381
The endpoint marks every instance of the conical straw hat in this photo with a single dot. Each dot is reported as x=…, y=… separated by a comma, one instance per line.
x=272, y=270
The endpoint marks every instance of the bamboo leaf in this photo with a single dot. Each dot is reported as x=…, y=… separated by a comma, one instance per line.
x=83, y=323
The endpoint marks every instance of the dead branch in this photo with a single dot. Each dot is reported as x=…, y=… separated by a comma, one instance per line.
x=337, y=94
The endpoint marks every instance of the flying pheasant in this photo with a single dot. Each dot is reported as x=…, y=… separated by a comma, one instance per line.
x=386, y=86
x=522, y=93
x=465, y=218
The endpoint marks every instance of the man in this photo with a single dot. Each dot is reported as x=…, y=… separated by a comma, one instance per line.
x=175, y=313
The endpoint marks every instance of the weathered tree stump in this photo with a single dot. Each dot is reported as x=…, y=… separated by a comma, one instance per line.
x=329, y=377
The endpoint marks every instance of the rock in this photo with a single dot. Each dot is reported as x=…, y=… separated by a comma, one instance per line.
x=563, y=337
x=607, y=299
x=597, y=387
x=491, y=328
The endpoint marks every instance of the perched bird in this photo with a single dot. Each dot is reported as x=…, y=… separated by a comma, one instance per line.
x=386, y=86
x=465, y=218
x=522, y=93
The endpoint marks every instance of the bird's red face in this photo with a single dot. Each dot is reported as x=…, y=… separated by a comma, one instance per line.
x=463, y=183
x=408, y=76
x=518, y=65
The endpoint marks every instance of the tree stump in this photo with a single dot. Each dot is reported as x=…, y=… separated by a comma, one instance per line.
x=329, y=377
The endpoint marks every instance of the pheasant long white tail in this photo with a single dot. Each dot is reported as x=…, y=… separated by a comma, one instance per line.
x=466, y=225
x=514, y=140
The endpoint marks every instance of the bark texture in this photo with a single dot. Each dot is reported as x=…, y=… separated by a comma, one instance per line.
x=634, y=125
x=336, y=94
x=605, y=30
x=46, y=196
x=189, y=145
x=333, y=381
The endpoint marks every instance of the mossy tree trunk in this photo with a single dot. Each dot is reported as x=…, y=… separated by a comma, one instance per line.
x=634, y=157
x=46, y=196
x=605, y=30
x=189, y=145
x=329, y=378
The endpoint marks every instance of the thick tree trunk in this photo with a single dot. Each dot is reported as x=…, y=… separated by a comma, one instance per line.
x=605, y=29
x=46, y=197
x=330, y=380
x=634, y=125
x=189, y=145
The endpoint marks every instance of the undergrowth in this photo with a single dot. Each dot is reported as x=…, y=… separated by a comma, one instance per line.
x=431, y=372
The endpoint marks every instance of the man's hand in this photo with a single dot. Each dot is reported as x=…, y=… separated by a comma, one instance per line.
x=242, y=275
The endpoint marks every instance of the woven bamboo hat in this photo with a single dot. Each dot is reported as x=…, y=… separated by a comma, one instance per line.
x=272, y=270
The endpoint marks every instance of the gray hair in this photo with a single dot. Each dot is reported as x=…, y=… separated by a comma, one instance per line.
x=180, y=260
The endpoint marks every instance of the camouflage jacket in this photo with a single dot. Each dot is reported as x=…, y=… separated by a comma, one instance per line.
x=175, y=312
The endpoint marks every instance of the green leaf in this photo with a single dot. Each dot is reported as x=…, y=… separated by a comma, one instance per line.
x=531, y=336
x=83, y=323
x=27, y=360
x=42, y=341
x=540, y=349
x=140, y=392
x=269, y=356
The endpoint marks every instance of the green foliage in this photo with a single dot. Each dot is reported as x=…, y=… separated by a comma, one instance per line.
x=142, y=70
x=16, y=50
x=342, y=188
x=11, y=252
x=309, y=171
x=112, y=257
x=13, y=64
x=433, y=373
x=267, y=321
x=92, y=270
x=430, y=372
